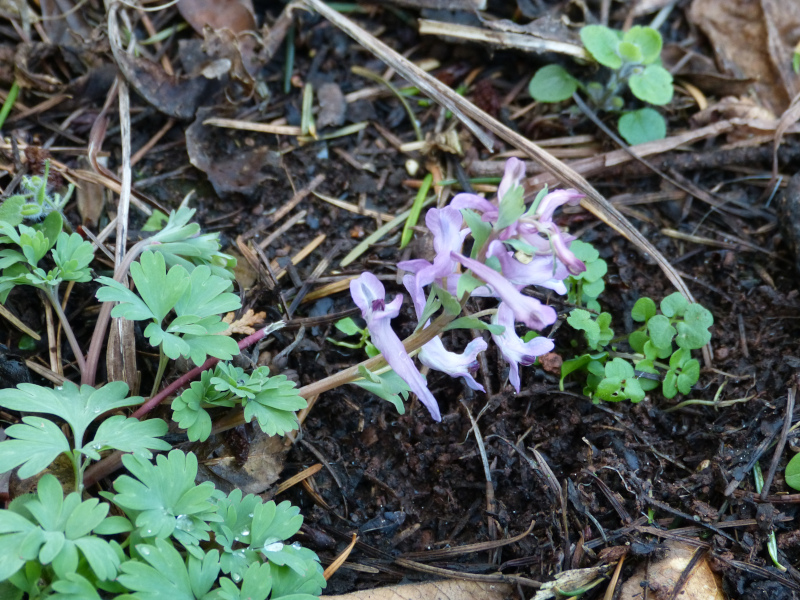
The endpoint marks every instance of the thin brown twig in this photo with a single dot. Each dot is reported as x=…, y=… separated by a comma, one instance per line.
x=776, y=457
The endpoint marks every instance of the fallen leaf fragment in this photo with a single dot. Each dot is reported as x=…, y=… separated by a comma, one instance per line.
x=662, y=575
x=235, y=162
x=569, y=582
x=253, y=469
x=750, y=39
x=236, y=15
x=243, y=324
x=451, y=589
x=177, y=97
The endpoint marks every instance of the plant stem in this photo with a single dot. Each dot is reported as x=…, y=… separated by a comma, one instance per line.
x=162, y=366
x=52, y=296
x=75, y=457
x=89, y=372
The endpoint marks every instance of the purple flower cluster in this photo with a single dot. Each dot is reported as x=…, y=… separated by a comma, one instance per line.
x=519, y=246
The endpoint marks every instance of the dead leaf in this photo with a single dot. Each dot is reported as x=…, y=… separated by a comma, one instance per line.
x=332, y=105
x=748, y=40
x=236, y=15
x=661, y=576
x=449, y=588
x=261, y=468
x=731, y=108
x=243, y=324
x=63, y=24
x=121, y=354
x=91, y=199
x=702, y=72
x=233, y=160
x=177, y=97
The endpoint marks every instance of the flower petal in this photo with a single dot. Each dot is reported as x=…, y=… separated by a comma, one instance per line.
x=477, y=203
x=370, y=296
x=513, y=349
x=386, y=340
x=526, y=309
x=512, y=177
x=565, y=255
x=539, y=271
x=434, y=355
x=553, y=200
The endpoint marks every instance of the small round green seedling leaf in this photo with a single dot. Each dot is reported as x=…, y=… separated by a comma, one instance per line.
x=670, y=387
x=690, y=373
x=661, y=332
x=793, y=472
x=693, y=332
x=602, y=43
x=653, y=85
x=630, y=52
x=552, y=84
x=647, y=39
x=641, y=126
x=674, y=305
x=637, y=340
x=643, y=310
x=347, y=326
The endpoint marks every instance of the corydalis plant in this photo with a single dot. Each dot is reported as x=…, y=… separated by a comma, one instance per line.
x=514, y=246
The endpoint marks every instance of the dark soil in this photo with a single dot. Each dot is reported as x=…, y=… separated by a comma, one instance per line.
x=406, y=484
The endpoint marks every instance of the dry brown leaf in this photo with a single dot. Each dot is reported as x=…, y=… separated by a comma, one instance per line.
x=236, y=15
x=244, y=323
x=451, y=589
x=661, y=576
x=62, y=22
x=261, y=467
x=731, y=108
x=332, y=105
x=234, y=161
x=174, y=96
x=570, y=581
x=748, y=40
x=91, y=199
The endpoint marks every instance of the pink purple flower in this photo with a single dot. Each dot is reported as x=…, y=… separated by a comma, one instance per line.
x=434, y=355
x=445, y=225
x=514, y=350
x=370, y=296
x=524, y=308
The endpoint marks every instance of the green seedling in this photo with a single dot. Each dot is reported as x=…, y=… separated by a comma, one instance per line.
x=34, y=202
x=585, y=288
x=680, y=324
x=272, y=400
x=772, y=542
x=38, y=441
x=30, y=245
x=197, y=299
x=348, y=327
x=177, y=540
x=633, y=57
